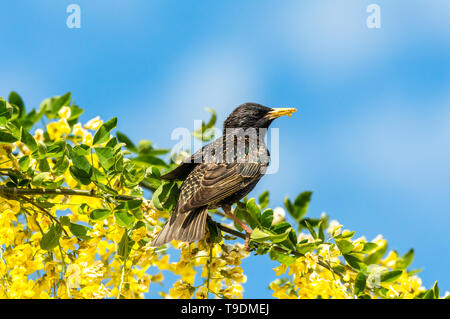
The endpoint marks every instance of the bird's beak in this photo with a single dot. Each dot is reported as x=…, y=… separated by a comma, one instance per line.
x=274, y=113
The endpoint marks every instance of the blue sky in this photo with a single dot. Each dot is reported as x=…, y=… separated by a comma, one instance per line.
x=371, y=138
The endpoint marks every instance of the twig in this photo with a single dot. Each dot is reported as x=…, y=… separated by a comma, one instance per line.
x=15, y=191
x=46, y=213
x=147, y=185
x=236, y=233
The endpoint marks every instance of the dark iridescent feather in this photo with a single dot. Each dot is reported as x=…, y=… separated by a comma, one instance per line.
x=211, y=180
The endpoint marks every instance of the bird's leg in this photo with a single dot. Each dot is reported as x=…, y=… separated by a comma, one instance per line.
x=248, y=231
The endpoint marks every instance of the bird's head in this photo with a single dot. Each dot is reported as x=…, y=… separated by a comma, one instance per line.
x=254, y=115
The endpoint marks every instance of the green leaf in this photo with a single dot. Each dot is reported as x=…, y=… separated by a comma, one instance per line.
x=24, y=163
x=79, y=160
x=61, y=166
x=321, y=230
x=344, y=245
x=7, y=138
x=43, y=165
x=390, y=276
x=123, y=218
x=99, y=214
x=267, y=218
x=14, y=98
x=304, y=248
x=215, y=234
x=75, y=113
x=81, y=176
x=102, y=134
x=429, y=294
x=346, y=234
x=289, y=205
x=263, y=199
x=132, y=174
x=160, y=194
x=360, y=283
x=134, y=204
x=436, y=290
x=369, y=247
x=414, y=272
x=404, y=261
x=38, y=179
x=51, y=238
x=353, y=261
x=105, y=156
x=252, y=213
x=128, y=143
x=28, y=140
x=124, y=246
x=283, y=258
x=65, y=220
x=150, y=160
x=299, y=208
x=111, y=124
x=206, y=132
x=56, y=149
x=311, y=229
x=51, y=106
x=260, y=235
x=79, y=231
x=375, y=257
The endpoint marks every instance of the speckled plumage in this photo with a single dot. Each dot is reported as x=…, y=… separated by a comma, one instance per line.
x=219, y=174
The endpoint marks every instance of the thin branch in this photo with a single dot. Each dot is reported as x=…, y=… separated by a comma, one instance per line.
x=236, y=233
x=147, y=185
x=230, y=231
x=45, y=212
x=15, y=191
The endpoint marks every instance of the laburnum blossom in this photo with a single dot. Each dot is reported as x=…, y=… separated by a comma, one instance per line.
x=87, y=230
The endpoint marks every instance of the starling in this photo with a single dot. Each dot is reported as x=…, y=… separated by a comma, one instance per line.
x=221, y=173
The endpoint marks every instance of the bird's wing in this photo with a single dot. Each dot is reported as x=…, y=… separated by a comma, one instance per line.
x=212, y=182
x=180, y=172
x=184, y=169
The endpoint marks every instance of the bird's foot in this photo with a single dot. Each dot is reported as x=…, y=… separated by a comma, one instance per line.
x=248, y=230
x=247, y=241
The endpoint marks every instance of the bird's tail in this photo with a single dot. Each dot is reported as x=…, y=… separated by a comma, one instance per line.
x=186, y=227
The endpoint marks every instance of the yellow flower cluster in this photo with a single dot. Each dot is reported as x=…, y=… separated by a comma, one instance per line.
x=75, y=268
x=221, y=271
x=322, y=273
x=105, y=257
x=309, y=280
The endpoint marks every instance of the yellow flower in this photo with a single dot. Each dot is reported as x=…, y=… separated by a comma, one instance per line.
x=88, y=139
x=280, y=270
x=64, y=112
x=57, y=129
x=51, y=270
x=139, y=234
x=234, y=291
x=39, y=135
x=182, y=290
x=68, y=243
x=94, y=124
x=78, y=130
x=390, y=259
x=202, y=293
